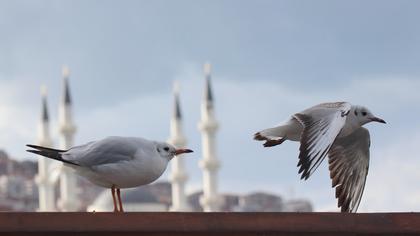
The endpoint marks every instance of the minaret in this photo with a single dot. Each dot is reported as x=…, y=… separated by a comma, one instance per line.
x=210, y=200
x=178, y=176
x=45, y=186
x=68, y=182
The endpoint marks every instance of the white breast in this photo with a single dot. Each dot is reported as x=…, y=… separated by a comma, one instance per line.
x=126, y=174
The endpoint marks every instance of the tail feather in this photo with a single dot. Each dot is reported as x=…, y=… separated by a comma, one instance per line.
x=270, y=141
x=51, y=153
x=259, y=137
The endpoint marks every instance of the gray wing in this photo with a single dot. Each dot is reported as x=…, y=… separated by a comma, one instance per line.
x=321, y=125
x=105, y=151
x=349, y=164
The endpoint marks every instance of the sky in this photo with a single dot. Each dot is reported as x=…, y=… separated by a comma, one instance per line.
x=270, y=59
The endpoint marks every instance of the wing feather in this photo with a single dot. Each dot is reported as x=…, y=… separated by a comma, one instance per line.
x=349, y=164
x=109, y=150
x=321, y=125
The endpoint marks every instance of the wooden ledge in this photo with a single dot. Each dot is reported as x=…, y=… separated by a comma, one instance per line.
x=12, y=223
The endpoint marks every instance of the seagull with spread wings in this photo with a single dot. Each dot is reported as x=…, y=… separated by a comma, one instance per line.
x=334, y=130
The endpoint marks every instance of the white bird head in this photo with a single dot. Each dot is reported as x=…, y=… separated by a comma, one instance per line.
x=364, y=115
x=168, y=151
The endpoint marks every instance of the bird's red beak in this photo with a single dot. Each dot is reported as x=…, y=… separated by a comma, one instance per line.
x=376, y=119
x=181, y=151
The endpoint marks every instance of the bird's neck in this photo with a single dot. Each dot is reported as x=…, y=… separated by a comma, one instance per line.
x=352, y=123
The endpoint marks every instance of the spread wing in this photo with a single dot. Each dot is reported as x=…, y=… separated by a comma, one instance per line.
x=321, y=125
x=349, y=164
x=106, y=151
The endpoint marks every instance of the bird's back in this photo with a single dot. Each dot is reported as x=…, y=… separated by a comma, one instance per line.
x=108, y=150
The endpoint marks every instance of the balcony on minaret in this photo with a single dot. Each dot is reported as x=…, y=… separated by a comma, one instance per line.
x=209, y=163
x=67, y=128
x=208, y=125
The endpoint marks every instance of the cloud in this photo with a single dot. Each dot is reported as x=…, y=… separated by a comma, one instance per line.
x=18, y=116
x=394, y=176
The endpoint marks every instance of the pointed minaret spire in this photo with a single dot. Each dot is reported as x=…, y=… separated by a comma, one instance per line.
x=45, y=186
x=177, y=106
x=208, y=94
x=210, y=200
x=68, y=183
x=67, y=127
x=45, y=116
x=179, y=175
x=66, y=89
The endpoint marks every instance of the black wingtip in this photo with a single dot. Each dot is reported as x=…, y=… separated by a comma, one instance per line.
x=33, y=151
x=34, y=146
x=305, y=175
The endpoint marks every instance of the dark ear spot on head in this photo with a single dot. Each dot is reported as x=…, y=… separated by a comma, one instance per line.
x=157, y=149
x=355, y=112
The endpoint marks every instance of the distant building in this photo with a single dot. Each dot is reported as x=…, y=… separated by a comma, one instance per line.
x=4, y=162
x=18, y=191
x=260, y=202
x=254, y=202
x=298, y=205
x=194, y=201
x=230, y=202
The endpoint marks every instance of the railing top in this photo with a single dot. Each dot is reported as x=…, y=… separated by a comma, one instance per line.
x=212, y=223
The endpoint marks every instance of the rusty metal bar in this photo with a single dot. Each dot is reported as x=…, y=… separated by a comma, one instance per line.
x=209, y=223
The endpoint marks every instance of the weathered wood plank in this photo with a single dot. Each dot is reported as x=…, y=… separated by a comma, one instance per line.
x=209, y=223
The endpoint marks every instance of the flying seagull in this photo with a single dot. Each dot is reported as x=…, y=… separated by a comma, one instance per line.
x=116, y=162
x=333, y=129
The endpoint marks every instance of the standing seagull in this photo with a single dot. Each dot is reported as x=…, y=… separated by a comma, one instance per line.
x=116, y=162
x=334, y=129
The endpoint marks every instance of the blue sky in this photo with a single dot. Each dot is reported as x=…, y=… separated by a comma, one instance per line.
x=270, y=59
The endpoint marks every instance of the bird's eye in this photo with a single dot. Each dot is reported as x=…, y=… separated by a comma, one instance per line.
x=166, y=148
x=364, y=113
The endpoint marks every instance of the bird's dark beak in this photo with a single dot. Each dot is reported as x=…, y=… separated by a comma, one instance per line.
x=181, y=151
x=378, y=120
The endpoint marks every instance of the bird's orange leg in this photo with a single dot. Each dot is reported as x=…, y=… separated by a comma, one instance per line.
x=119, y=200
x=113, y=198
